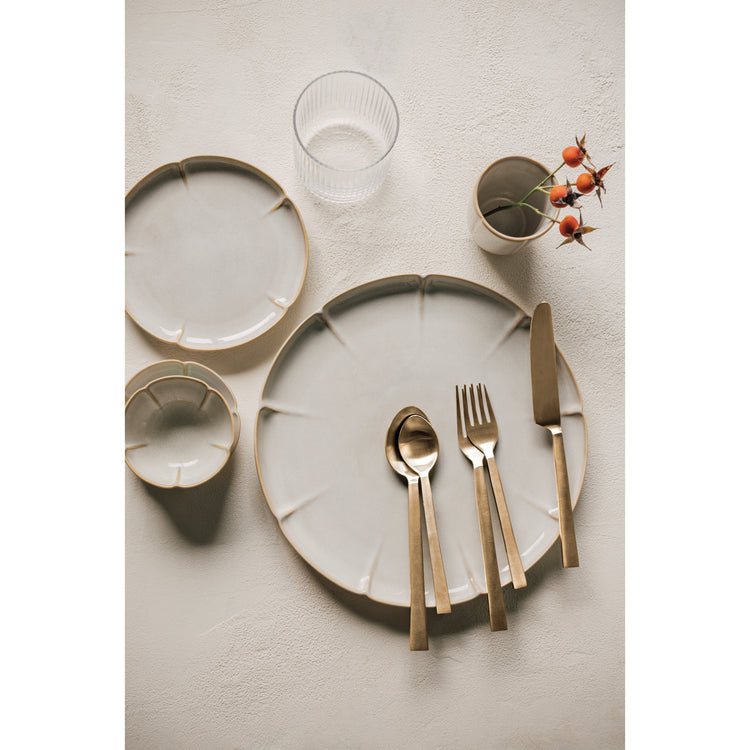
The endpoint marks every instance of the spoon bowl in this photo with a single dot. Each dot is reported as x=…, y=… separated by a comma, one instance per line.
x=418, y=444
x=391, y=440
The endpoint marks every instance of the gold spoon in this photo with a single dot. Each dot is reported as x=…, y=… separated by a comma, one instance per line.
x=418, y=445
x=418, y=610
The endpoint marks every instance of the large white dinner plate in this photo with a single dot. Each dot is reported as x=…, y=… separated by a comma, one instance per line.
x=215, y=253
x=331, y=394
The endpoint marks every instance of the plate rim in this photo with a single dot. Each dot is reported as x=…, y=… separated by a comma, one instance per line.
x=422, y=278
x=245, y=166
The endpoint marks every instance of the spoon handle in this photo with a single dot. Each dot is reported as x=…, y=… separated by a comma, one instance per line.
x=418, y=610
x=442, y=597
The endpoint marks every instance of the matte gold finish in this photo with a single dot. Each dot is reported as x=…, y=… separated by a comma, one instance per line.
x=483, y=432
x=418, y=445
x=417, y=609
x=547, y=414
x=498, y=619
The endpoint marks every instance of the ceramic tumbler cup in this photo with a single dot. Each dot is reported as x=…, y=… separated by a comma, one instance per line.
x=503, y=183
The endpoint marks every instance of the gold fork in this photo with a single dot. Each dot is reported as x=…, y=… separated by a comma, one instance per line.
x=498, y=620
x=482, y=430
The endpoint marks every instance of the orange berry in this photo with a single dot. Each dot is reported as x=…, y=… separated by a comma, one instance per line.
x=557, y=195
x=585, y=182
x=568, y=225
x=572, y=156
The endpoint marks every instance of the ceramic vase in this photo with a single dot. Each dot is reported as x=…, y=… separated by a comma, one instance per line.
x=503, y=183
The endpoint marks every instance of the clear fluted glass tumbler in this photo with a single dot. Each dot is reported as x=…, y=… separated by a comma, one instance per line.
x=345, y=127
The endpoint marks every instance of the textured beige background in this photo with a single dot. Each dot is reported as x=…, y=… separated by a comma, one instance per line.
x=232, y=641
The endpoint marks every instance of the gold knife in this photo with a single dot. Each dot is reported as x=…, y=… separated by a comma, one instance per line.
x=547, y=414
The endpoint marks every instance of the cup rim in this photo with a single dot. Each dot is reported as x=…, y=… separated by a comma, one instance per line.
x=322, y=163
x=488, y=226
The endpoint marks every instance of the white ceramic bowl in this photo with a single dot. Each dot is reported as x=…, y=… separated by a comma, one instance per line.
x=174, y=367
x=178, y=432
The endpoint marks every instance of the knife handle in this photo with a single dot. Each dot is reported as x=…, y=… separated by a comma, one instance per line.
x=417, y=609
x=442, y=596
x=515, y=564
x=565, y=508
x=498, y=619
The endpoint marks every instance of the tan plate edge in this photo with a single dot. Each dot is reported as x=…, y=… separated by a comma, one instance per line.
x=261, y=406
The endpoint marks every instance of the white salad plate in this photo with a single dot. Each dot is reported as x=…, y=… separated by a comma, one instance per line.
x=331, y=394
x=178, y=432
x=174, y=367
x=215, y=253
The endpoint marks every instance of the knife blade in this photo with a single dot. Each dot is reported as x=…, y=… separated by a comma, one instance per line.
x=546, y=401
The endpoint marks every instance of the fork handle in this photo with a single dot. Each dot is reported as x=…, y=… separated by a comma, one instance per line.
x=417, y=609
x=565, y=508
x=442, y=597
x=498, y=619
x=517, y=574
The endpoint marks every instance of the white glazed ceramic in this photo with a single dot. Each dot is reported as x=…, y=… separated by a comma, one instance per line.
x=345, y=127
x=174, y=367
x=216, y=253
x=331, y=394
x=178, y=432
x=506, y=181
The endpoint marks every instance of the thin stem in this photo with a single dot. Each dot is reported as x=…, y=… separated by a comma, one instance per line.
x=500, y=208
x=522, y=202
x=528, y=205
x=537, y=211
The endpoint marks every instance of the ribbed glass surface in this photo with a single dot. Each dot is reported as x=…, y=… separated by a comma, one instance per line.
x=345, y=127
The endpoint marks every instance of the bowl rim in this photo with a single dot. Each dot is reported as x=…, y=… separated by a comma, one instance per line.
x=184, y=364
x=227, y=450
